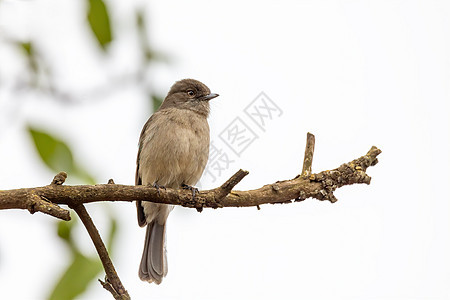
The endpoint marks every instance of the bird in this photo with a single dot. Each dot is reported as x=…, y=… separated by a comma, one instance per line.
x=173, y=152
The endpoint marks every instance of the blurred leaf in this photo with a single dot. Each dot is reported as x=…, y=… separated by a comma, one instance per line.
x=53, y=152
x=27, y=47
x=65, y=230
x=30, y=53
x=98, y=18
x=57, y=155
x=149, y=54
x=156, y=101
x=82, y=270
x=65, y=233
x=84, y=175
x=76, y=279
x=140, y=20
x=143, y=39
x=112, y=234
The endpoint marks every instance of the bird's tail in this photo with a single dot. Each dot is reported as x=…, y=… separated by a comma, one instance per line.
x=154, y=260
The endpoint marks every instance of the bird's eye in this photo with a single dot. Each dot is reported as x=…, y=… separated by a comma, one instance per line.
x=191, y=93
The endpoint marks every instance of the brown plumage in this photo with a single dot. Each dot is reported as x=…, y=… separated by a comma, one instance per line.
x=173, y=151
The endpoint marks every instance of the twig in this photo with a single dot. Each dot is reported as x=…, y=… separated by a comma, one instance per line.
x=309, y=153
x=116, y=287
x=59, y=178
x=107, y=286
x=112, y=282
x=33, y=202
x=226, y=188
x=38, y=203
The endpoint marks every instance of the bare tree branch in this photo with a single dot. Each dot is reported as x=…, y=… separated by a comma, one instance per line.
x=320, y=186
x=33, y=202
x=113, y=283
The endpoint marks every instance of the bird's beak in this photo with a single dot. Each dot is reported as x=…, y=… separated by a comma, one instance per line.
x=209, y=97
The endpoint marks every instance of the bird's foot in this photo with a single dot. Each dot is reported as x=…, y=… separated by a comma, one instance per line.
x=158, y=187
x=191, y=188
x=194, y=192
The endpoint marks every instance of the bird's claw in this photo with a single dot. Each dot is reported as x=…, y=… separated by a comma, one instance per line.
x=191, y=188
x=194, y=191
x=157, y=187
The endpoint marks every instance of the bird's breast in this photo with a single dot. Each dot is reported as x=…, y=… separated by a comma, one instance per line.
x=176, y=150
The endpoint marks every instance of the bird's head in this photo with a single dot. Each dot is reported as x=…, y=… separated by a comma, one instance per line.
x=189, y=94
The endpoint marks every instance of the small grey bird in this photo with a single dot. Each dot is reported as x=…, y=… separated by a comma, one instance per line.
x=173, y=151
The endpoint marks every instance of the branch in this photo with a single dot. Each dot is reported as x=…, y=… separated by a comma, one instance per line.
x=113, y=283
x=319, y=186
x=33, y=202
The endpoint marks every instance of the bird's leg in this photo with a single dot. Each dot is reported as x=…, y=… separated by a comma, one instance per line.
x=191, y=188
x=194, y=191
x=157, y=187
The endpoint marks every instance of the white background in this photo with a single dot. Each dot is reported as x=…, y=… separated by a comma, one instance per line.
x=354, y=73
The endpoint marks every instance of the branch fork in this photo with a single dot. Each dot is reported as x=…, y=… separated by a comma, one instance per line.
x=320, y=186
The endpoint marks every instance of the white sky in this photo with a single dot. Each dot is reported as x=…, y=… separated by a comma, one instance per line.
x=354, y=73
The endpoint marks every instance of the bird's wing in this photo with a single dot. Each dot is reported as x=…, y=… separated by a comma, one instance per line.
x=138, y=180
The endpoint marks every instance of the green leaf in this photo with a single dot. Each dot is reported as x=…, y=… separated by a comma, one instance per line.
x=83, y=175
x=27, y=47
x=82, y=271
x=65, y=233
x=57, y=155
x=53, y=152
x=140, y=20
x=65, y=229
x=143, y=39
x=149, y=54
x=111, y=234
x=99, y=22
x=156, y=100
x=30, y=53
